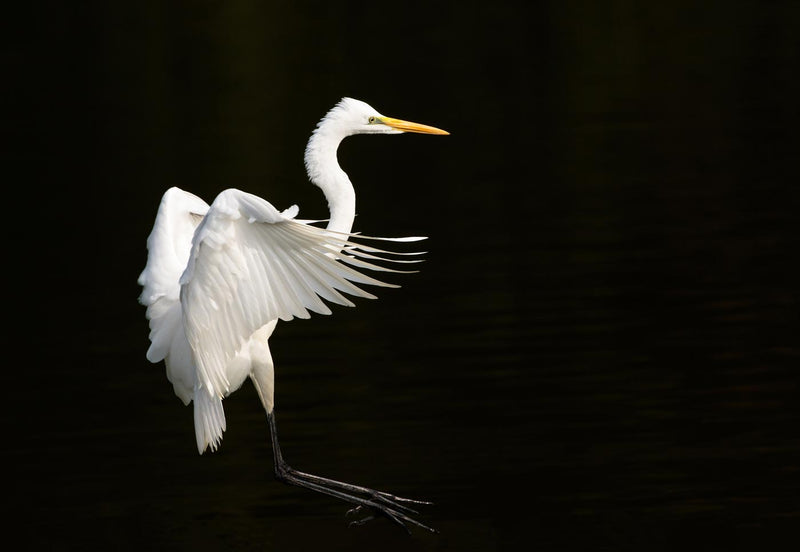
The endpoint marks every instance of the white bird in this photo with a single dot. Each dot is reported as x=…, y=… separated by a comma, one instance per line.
x=218, y=278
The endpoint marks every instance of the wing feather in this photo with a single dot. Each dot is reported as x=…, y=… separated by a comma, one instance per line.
x=169, y=246
x=251, y=264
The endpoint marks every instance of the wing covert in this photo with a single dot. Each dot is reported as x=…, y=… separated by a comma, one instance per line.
x=251, y=264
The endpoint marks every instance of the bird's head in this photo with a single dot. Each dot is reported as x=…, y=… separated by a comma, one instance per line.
x=356, y=117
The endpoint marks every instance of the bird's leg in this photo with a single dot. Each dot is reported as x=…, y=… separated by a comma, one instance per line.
x=391, y=506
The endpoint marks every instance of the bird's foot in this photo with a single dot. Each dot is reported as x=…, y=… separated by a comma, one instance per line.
x=373, y=502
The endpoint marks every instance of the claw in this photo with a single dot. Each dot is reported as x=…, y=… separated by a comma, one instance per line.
x=360, y=521
x=353, y=511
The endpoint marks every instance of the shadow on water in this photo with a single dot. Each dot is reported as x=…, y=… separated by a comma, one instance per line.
x=600, y=350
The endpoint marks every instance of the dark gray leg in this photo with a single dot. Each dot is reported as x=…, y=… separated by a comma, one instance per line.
x=377, y=502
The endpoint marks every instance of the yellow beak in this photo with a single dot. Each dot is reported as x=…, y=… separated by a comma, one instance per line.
x=407, y=126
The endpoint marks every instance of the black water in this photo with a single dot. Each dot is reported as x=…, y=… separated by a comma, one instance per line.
x=601, y=351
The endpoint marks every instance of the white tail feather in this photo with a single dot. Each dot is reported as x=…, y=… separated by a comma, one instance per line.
x=209, y=419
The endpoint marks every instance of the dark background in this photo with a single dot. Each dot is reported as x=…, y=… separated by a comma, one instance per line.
x=601, y=350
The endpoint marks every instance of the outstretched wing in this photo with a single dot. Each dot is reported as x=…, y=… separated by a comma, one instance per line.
x=251, y=264
x=168, y=247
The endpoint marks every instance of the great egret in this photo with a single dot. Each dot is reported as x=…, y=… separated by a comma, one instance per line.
x=218, y=278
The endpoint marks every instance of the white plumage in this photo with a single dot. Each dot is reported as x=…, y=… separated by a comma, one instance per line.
x=216, y=275
x=218, y=278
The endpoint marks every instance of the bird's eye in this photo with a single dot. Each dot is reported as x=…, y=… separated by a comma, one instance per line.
x=372, y=120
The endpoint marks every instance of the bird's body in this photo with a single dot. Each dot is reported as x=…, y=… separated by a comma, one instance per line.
x=219, y=277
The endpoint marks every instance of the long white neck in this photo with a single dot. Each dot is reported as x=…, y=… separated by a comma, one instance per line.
x=324, y=171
